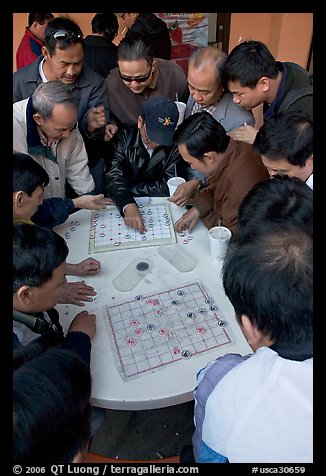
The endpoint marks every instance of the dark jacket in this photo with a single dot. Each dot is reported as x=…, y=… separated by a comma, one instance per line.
x=89, y=89
x=239, y=170
x=100, y=54
x=294, y=78
x=155, y=31
x=134, y=173
x=53, y=211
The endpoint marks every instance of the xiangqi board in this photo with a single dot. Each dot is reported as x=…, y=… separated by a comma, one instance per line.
x=108, y=230
x=157, y=329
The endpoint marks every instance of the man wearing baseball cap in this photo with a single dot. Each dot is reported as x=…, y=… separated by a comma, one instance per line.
x=144, y=158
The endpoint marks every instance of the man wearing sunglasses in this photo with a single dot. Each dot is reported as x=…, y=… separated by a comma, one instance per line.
x=138, y=77
x=63, y=60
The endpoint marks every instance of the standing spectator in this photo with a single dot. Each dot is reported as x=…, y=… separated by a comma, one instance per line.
x=152, y=29
x=45, y=127
x=138, y=77
x=232, y=168
x=144, y=158
x=100, y=51
x=285, y=143
x=63, y=57
x=207, y=94
x=258, y=408
x=30, y=46
x=253, y=77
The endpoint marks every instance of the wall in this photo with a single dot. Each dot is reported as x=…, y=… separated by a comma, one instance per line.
x=287, y=35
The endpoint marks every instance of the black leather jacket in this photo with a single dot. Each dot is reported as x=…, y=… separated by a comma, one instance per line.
x=134, y=173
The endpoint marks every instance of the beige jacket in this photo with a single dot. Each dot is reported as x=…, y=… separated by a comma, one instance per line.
x=71, y=157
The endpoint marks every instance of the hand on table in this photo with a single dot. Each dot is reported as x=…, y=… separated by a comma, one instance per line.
x=84, y=322
x=76, y=293
x=184, y=192
x=188, y=220
x=92, y=202
x=133, y=218
x=245, y=133
x=88, y=266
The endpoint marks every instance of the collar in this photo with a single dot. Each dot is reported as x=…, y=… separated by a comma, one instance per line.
x=269, y=111
x=298, y=352
x=152, y=84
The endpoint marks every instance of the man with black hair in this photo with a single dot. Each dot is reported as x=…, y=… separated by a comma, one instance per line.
x=100, y=51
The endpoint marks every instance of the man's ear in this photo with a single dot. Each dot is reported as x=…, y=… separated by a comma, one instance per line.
x=45, y=52
x=37, y=118
x=209, y=157
x=264, y=84
x=25, y=295
x=18, y=198
x=254, y=336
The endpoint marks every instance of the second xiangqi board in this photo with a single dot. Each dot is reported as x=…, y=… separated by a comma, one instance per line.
x=157, y=329
x=108, y=230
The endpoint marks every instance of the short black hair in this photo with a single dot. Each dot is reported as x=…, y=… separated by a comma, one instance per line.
x=27, y=174
x=272, y=203
x=201, y=133
x=288, y=135
x=270, y=280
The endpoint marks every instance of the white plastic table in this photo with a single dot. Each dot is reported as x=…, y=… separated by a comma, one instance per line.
x=173, y=383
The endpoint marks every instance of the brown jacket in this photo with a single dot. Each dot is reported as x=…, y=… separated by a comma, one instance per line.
x=240, y=169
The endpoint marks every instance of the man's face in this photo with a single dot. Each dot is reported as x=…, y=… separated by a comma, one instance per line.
x=64, y=65
x=205, y=166
x=136, y=75
x=60, y=125
x=281, y=166
x=27, y=205
x=203, y=85
x=246, y=97
x=48, y=295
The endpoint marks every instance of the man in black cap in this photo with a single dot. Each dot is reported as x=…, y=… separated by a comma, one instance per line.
x=144, y=158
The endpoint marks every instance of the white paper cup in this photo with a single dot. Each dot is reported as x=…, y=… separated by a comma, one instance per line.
x=173, y=184
x=182, y=109
x=219, y=238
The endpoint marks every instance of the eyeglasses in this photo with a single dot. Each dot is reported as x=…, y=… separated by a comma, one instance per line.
x=138, y=79
x=66, y=35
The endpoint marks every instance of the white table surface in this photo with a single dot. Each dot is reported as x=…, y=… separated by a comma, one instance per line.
x=174, y=383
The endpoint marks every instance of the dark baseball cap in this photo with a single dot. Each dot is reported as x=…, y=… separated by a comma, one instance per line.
x=161, y=117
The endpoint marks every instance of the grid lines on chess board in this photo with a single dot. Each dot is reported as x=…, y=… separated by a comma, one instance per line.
x=157, y=329
x=108, y=230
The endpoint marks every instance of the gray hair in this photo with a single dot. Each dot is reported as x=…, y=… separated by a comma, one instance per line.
x=47, y=95
x=207, y=56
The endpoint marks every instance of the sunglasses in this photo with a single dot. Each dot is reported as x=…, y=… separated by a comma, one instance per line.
x=138, y=79
x=66, y=35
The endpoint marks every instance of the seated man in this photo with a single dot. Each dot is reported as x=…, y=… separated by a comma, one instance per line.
x=57, y=432
x=285, y=143
x=254, y=77
x=272, y=203
x=29, y=181
x=39, y=276
x=45, y=127
x=259, y=407
x=232, y=168
x=143, y=159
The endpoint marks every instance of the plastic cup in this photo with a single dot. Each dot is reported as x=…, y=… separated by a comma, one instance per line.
x=219, y=238
x=182, y=109
x=173, y=183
